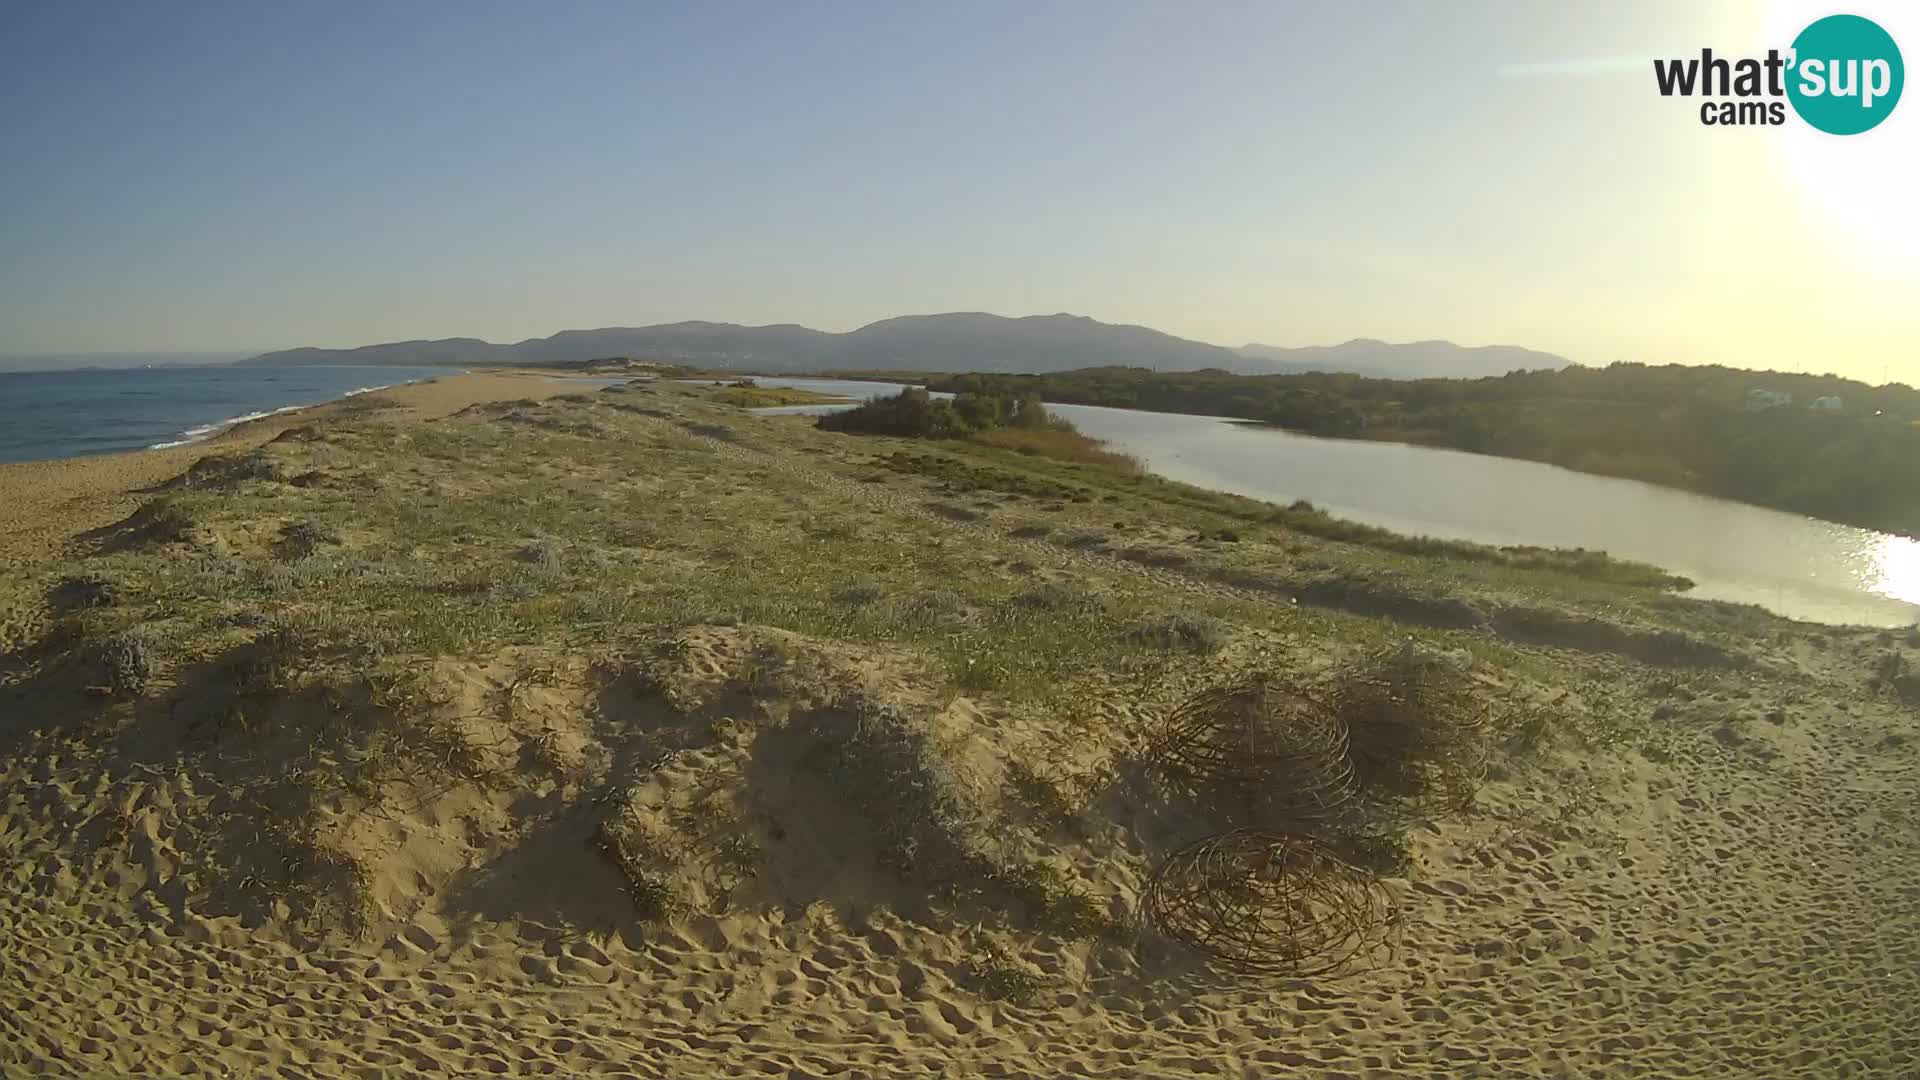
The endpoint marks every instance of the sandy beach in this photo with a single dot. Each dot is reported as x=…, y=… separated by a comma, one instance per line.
x=504, y=726
x=44, y=503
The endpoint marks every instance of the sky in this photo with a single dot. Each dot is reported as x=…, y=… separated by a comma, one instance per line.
x=219, y=178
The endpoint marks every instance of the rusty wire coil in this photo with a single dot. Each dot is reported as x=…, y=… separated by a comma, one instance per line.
x=1270, y=902
x=1416, y=728
x=1262, y=748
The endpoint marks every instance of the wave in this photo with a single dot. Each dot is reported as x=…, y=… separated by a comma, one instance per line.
x=203, y=432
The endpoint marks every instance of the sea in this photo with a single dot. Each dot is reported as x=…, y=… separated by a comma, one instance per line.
x=57, y=414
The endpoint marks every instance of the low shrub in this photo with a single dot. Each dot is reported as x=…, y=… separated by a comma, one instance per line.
x=124, y=663
x=858, y=593
x=81, y=592
x=997, y=977
x=225, y=471
x=301, y=539
x=914, y=413
x=1053, y=596
x=1181, y=632
x=1058, y=441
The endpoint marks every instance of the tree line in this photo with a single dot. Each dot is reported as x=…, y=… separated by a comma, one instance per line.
x=914, y=413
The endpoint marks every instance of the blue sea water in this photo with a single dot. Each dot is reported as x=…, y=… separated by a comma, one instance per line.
x=56, y=414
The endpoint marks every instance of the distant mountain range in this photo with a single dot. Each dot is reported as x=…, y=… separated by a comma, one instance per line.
x=962, y=341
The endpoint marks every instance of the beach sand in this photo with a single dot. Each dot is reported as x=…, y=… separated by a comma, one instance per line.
x=44, y=503
x=1734, y=898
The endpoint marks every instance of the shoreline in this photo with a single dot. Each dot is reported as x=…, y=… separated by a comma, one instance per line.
x=191, y=430
x=1775, y=589
x=1400, y=439
x=47, y=502
x=50, y=502
x=538, y=724
x=202, y=432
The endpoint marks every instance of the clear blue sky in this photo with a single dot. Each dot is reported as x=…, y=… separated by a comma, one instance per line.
x=213, y=176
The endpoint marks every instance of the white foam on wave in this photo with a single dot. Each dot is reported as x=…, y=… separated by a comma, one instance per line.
x=204, y=432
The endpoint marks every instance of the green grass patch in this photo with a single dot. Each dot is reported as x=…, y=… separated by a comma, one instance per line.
x=761, y=397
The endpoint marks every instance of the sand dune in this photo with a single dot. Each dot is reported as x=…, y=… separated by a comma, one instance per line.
x=1726, y=890
x=49, y=501
x=1720, y=920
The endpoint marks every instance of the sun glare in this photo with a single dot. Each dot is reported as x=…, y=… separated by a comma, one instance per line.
x=1897, y=568
x=1859, y=187
x=1862, y=186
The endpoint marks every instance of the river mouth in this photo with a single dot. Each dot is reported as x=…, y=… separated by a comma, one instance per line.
x=1798, y=567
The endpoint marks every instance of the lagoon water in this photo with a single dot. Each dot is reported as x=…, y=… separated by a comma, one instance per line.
x=1797, y=566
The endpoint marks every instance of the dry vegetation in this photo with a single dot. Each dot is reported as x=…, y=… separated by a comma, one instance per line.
x=1061, y=445
x=746, y=394
x=640, y=667
x=338, y=643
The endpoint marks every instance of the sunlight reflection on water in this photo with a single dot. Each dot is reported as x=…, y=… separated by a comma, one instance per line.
x=1896, y=562
x=1793, y=565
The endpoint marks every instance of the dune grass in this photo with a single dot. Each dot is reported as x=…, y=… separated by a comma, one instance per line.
x=477, y=534
x=761, y=397
x=987, y=463
x=1058, y=443
x=521, y=526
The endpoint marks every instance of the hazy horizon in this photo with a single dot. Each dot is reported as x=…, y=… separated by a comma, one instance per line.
x=229, y=179
x=55, y=362
x=36, y=362
x=212, y=356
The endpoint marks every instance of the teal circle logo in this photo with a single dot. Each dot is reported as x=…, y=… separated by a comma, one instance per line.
x=1846, y=74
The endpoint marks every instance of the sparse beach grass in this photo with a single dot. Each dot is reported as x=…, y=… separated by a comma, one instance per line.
x=543, y=688
x=745, y=395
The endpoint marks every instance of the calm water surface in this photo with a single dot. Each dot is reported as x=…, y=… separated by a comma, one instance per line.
x=1797, y=566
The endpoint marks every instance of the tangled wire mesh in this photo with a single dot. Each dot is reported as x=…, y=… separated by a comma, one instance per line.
x=1270, y=902
x=1262, y=747
x=1417, y=727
